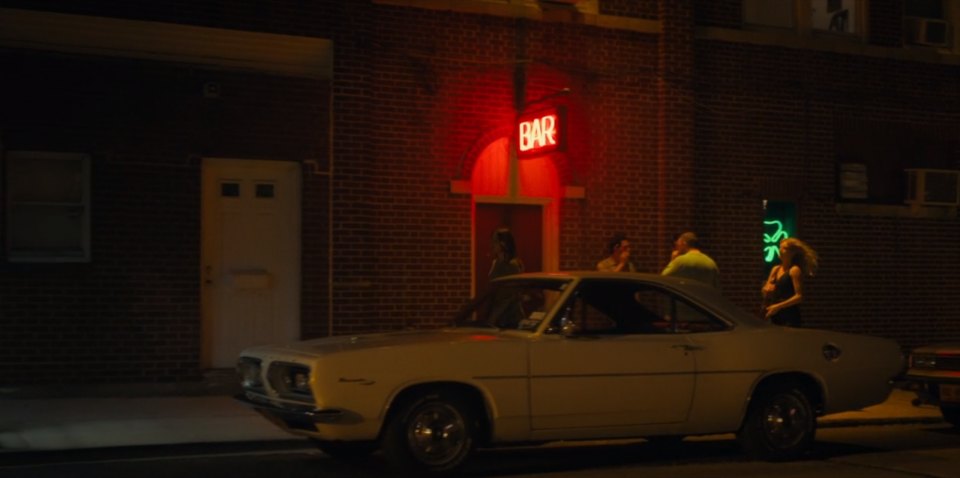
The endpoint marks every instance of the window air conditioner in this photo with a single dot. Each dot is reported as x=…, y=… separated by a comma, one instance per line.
x=933, y=187
x=927, y=31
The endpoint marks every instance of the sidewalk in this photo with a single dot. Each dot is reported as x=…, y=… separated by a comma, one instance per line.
x=40, y=424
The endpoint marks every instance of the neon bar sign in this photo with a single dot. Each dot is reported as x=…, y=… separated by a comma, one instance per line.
x=540, y=132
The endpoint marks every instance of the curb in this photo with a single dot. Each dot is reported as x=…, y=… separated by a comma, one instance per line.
x=861, y=422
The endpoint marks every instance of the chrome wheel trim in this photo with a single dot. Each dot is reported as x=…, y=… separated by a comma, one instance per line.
x=785, y=421
x=437, y=434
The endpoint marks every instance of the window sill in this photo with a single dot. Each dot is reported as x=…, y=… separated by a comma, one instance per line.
x=889, y=210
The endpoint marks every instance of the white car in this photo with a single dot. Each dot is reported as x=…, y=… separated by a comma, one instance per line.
x=569, y=356
x=935, y=374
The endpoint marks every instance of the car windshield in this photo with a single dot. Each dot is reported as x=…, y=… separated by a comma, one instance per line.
x=513, y=304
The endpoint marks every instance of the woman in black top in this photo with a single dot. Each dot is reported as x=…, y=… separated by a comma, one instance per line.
x=783, y=291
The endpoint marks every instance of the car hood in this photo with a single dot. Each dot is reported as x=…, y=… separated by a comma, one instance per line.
x=403, y=339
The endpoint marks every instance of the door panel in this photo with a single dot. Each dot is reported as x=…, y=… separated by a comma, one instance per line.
x=610, y=381
x=251, y=256
x=621, y=365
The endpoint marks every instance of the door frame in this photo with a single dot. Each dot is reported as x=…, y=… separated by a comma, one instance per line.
x=550, y=247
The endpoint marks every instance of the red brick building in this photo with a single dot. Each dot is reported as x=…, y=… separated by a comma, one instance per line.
x=182, y=179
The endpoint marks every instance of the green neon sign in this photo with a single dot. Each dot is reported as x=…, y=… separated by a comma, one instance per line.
x=779, y=223
x=771, y=242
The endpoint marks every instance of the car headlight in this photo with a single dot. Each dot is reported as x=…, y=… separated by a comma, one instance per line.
x=248, y=372
x=923, y=361
x=290, y=380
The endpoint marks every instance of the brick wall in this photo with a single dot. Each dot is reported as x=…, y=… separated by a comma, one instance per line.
x=132, y=314
x=667, y=133
x=768, y=120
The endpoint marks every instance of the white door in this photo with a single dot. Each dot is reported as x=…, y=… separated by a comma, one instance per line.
x=250, y=264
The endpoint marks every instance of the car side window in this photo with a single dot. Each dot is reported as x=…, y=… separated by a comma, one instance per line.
x=610, y=307
x=617, y=308
x=692, y=319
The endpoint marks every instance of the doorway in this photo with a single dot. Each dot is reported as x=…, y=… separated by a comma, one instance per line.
x=250, y=256
x=526, y=223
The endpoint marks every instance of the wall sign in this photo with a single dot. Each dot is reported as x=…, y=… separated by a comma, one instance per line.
x=779, y=223
x=541, y=132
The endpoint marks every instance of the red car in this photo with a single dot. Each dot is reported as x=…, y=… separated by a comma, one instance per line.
x=935, y=373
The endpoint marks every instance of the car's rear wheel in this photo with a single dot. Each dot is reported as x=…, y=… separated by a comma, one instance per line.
x=951, y=413
x=432, y=434
x=346, y=451
x=780, y=425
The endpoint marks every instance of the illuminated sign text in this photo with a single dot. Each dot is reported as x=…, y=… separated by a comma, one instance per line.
x=540, y=132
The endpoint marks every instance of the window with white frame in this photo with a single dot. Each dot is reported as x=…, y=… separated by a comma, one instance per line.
x=47, y=206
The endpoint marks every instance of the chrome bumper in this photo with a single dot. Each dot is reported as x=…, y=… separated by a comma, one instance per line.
x=298, y=417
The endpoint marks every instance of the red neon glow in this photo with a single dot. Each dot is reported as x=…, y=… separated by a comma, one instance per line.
x=539, y=178
x=491, y=171
x=538, y=133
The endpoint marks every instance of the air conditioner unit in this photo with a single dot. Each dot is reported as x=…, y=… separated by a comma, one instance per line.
x=927, y=31
x=933, y=187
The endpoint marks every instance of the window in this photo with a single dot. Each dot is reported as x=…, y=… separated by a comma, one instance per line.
x=47, y=207
x=628, y=308
x=924, y=9
x=873, y=158
x=804, y=16
x=926, y=23
x=834, y=15
x=514, y=304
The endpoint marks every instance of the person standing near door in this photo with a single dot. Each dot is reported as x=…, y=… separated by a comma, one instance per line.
x=619, y=258
x=506, y=307
x=504, y=250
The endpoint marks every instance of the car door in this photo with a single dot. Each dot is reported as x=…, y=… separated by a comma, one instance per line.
x=624, y=366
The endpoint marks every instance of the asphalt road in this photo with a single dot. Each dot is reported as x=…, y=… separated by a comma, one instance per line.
x=869, y=451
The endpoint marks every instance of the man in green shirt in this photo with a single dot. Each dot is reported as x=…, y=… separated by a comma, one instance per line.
x=689, y=262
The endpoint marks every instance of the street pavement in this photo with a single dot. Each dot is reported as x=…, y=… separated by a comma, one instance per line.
x=43, y=424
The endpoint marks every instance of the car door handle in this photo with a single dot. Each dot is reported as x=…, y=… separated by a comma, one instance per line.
x=688, y=347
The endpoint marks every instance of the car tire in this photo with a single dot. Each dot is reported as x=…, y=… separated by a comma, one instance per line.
x=951, y=413
x=780, y=425
x=433, y=434
x=346, y=451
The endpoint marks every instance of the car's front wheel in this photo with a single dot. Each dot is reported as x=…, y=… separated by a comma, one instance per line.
x=434, y=433
x=951, y=413
x=780, y=425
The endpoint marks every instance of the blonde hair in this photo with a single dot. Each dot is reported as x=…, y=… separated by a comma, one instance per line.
x=805, y=257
